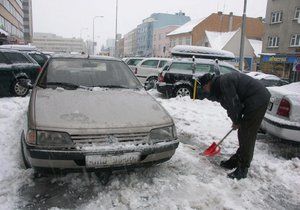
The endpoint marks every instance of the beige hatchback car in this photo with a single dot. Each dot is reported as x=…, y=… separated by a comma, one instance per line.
x=91, y=113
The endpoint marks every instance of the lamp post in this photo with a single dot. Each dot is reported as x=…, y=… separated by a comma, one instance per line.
x=94, y=32
x=116, y=36
x=241, y=64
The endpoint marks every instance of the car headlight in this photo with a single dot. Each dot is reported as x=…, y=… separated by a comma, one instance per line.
x=166, y=133
x=50, y=138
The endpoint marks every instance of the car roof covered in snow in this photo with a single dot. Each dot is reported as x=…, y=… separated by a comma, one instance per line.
x=260, y=76
x=201, y=52
x=202, y=61
x=19, y=47
x=70, y=56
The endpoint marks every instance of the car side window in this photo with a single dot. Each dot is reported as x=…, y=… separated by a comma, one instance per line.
x=203, y=68
x=226, y=70
x=162, y=64
x=150, y=63
x=3, y=60
x=38, y=58
x=16, y=57
x=181, y=66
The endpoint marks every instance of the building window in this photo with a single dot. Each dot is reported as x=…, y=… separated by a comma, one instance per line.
x=276, y=17
x=273, y=42
x=295, y=40
x=297, y=13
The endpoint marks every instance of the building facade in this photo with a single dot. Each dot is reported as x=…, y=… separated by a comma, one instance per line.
x=193, y=32
x=27, y=20
x=281, y=42
x=130, y=43
x=146, y=29
x=11, y=22
x=52, y=43
x=161, y=43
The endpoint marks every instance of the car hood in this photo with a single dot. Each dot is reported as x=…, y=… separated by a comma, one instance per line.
x=101, y=109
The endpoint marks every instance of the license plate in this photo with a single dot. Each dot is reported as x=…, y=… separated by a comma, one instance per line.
x=270, y=106
x=94, y=161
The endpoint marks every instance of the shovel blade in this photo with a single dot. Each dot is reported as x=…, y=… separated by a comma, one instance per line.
x=213, y=150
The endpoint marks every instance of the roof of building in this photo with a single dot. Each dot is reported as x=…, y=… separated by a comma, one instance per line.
x=218, y=40
x=186, y=28
x=257, y=46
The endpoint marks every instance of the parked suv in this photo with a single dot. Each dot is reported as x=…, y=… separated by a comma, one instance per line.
x=177, y=78
x=88, y=113
x=148, y=69
x=16, y=68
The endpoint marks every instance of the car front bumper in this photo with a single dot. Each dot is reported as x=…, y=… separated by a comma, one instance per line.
x=281, y=129
x=76, y=159
x=164, y=88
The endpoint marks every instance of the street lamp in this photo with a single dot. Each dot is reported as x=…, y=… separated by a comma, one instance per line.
x=94, y=32
x=242, y=47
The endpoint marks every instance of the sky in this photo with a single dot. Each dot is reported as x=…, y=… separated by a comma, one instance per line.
x=74, y=18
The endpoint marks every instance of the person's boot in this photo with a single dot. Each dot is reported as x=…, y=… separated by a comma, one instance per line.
x=239, y=173
x=230, y=164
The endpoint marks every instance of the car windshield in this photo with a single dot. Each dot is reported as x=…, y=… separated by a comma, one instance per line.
x=74, y=73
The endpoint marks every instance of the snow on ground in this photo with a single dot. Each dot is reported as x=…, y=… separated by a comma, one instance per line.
x=187, y=181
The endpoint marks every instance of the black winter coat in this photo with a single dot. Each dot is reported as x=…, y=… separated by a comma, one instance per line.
x=239, y=94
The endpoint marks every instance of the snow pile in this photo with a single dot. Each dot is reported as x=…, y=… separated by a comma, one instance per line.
x=187, y=181
x=12, y=173
x=218, y=40
x=186, y=28
x=260, y=76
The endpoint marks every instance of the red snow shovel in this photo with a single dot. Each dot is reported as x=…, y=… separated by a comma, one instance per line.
x=215, y=148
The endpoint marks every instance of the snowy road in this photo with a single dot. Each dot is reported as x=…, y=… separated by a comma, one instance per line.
x=187, y=181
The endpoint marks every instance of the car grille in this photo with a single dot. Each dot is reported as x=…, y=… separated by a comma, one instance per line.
x=136, y=138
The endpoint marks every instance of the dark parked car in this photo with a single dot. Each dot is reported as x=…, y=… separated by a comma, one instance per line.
x=16, y=68
x=177, y=78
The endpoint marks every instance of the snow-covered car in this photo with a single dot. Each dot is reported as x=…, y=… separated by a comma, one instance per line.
x=148, y=69
x=283, y=115
x=88, y=112
x=268, y=80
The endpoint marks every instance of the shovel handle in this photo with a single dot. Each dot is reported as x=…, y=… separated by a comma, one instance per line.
x=220, y=142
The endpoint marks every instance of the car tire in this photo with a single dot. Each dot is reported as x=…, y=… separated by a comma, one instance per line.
x=17, y=89
x=182, y=91
x=25, y=161
x=152, y=82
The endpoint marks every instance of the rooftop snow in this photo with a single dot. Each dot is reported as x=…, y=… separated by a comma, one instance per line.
x=218, y=40
x=257, y=46
x=186, y=28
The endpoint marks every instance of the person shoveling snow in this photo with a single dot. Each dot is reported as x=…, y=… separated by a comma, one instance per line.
x=246, y=101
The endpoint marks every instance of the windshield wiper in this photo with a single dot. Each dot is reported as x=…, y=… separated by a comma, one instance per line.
x=67, y=85
x=113, y=86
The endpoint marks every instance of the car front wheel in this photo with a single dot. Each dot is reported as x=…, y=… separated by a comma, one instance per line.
x=183, y=91
x=17, y=89
x=152, y=82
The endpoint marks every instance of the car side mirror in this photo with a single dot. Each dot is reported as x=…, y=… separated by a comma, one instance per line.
x=166, y=68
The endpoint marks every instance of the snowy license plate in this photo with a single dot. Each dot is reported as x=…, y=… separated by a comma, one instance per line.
x=94, y=161
x=270, y=106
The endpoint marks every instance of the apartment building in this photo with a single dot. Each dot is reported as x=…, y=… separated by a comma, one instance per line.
x=27, y=20
x=11, y=22
x=53, y=43
x=130, y=43
x=281, y=43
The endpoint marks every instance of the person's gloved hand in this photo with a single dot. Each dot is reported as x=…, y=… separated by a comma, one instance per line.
x=235, y=126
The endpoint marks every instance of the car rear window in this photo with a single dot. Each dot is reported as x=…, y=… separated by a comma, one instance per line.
x=16, y=57
x=38, y=58
x=162, y=64
x=181, y=66
x=226, y=70
x=203, y=68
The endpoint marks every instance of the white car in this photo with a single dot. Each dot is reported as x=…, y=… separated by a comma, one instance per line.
x=148, y=69
x=283, y=115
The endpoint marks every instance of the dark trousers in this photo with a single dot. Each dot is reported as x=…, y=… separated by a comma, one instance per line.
x=247, y=134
